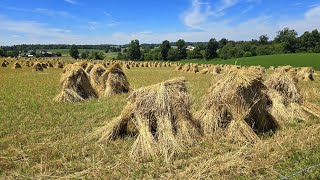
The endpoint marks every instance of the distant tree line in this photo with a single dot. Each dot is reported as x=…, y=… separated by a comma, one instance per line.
x=74, y=53
x=26, y=47
x=286, y=41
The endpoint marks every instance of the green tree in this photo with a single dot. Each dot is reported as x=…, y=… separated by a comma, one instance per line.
x=289, y=38
x=74, y=53
x=236, y=52
x=263, y=50
x=198, y=52
x=134, y=52
x=146, y=49
x=148, y=56
x=164, y=50
x=97, y=55
x=308, y=41
x=223, y=53
x=180, y=44
x=13, y=53
x=183, y=53
x=247, y=54
x=59, y=54
x=33, y=52
x=211, y=51
x=173, y=54
x=120, y=56
x=85, y=54
x=231, y=51
x=3, y=53
x=155, y=54
x=182, y=49
x=317, y=49
x=107, y=49
x=223, y=42
x=278, y=48
x=263, y=39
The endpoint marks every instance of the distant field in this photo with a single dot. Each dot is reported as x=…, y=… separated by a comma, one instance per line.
x=65, y=52
x=296, y=60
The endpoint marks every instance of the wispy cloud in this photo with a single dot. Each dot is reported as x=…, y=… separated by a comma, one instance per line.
x=53, y=12
x=31, y=28
x=250, y=7
x=297, y=4
x=107, y=14
x=71, y=1
x=313, y=13
x=17, y=32
x=93, y=25
x=112, y=24
x=48, y=12
x=314, y=5
x=200, y=12
x=107, y=21
x=227, y=4
x=197, y=14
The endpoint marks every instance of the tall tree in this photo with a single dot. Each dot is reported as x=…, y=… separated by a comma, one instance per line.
x=263, y=39
x=96, y=55
x=173, y=54
x=134, y=52
x=223, y=42
x=74, y=53
x=308, y=41
x=211, y=50
x=2, y=52
x=164, y=50
x=182, y=49
x=180, y=44
x=289, y=38
x=85, y=54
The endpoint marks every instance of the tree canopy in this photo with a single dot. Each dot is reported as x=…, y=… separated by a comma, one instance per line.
x=133, y=51
x=74, y=53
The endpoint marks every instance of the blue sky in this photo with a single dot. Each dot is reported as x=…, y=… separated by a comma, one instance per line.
x=150, y=21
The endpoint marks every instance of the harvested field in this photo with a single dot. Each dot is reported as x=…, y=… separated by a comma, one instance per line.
x=42, y=139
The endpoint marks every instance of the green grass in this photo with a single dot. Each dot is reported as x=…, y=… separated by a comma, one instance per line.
x=296, y=60
x=41, y=139
x=301, y=164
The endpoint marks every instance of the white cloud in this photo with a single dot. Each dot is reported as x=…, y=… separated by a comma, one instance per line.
x=145, y=32
x=195, y=15
x=16, y=36
x=199, y=12
x=112, y=24
x=53, y=12
x=45, y=11
x=107, y=13
x=31, y=28
x=227, y=4
x=314, y=5
x=313, y=13
x=71, y=1
x=247, y=30
x=35, y=32
x=297, y=4
x=250, y=7
x=308, y=23
x=93, y=25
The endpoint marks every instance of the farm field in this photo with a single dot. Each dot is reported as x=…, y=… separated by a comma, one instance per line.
x=65, y=52
x=43, y=139
x=295, y=60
